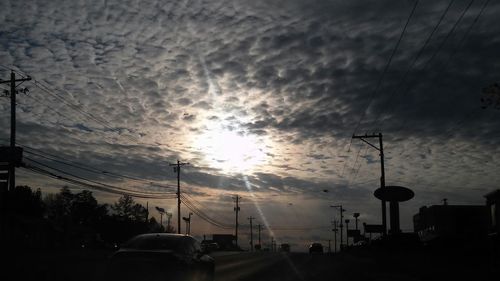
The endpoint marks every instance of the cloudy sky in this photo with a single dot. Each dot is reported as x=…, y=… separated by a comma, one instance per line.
x=261, y=98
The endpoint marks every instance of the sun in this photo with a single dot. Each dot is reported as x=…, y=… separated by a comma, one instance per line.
x=230, y=151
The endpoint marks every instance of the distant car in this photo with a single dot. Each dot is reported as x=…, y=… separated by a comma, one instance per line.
x=161, y=256
x=285, y=247
x=209, y=246
x=316, y=248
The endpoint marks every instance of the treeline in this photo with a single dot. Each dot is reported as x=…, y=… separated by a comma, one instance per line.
x=70, y=220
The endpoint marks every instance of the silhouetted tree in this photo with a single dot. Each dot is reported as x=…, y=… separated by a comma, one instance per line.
x=22, y=200
x=127, y=209
x=85, y=210
x=59, y=205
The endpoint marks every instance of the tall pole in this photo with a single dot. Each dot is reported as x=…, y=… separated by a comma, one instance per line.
x=347, y=232
x=12, y=166
x=251, y=233
x=382, y=170
x=259, y=234
x=178, y=197
x=236, y=209
x=341, y=225
x=177, y=168
x=382, y=182
x=335, y=234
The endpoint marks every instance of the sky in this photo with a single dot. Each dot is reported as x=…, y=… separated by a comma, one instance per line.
x=261, y=98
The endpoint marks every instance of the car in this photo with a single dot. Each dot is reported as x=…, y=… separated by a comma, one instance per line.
x=209, y=246
x=316, y=248
x=161, y=256
x=285, y=247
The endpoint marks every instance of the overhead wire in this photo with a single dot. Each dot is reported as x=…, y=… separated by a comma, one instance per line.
x=384, y=72
x=93, y=182
x=61, y=160
x=414, y=61
x=410, y=86
x=76, y=182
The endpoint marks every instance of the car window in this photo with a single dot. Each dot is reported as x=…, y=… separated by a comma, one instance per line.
x=153, y=243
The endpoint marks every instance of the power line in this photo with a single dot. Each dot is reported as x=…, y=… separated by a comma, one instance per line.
x=434, y=54
x=93, y=182
x=415, y=59
x=379, y=82
x=52, y=175
x=386, y=68
x=187, y=202
x=87, y=168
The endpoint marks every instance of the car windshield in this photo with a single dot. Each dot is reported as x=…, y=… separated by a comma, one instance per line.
x=154, y=243
x=137, y=129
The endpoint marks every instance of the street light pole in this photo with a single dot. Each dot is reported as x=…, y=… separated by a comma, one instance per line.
x=341, y=226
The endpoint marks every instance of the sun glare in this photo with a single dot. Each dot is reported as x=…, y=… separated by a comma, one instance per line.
x=231, y=152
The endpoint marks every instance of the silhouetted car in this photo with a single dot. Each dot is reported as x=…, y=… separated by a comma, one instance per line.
x=316, y=248
x=161, y=256
x=285, y=247
x=209, y=247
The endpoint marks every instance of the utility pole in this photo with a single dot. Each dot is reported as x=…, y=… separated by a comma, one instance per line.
x=12, y=164
x=342, y=210
x=237, y=210
x=177, y=169
x=251, y=233
x=259, y=234
x=347, y=232
x=335, y=234
x=329, y=246
x=382, y=170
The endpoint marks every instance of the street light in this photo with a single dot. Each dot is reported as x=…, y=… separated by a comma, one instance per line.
x=341, y=217
x=161, y=211
x=356, y=216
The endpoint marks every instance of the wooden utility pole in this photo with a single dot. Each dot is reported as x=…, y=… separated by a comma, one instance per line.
x=237, y=210
x=251, y=233
x=177, y=169
x=382, y=170
x=12, y=164
x=260, y=228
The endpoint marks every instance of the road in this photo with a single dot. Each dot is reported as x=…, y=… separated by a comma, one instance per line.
x=368, y=266
x=273, y=266
x=264, y=266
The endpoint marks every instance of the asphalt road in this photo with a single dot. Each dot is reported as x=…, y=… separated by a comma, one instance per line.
x=273, y=266
x=360, y=266
x=264, y=266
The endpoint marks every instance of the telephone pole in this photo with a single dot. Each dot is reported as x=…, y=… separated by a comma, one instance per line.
x=251, y=233
x=259, y=234
x=236, y=209
x=177, y=169
x=335, y=234
x=12, y=163
x=347, y=232
x=382, y=170
x=341, y=225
